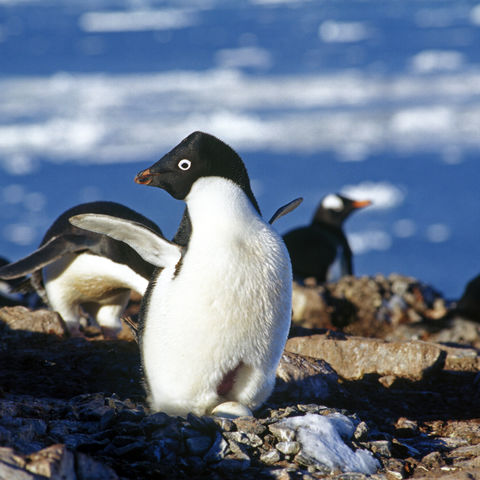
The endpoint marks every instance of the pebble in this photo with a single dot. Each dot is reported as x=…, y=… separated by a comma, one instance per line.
x=288, y=448
x=92, y=431
x=271, y=457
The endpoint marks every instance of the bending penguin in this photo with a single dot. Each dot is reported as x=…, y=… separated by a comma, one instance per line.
x=9, y=294
x=321, y=249
x=215, y=318
x=75, y=269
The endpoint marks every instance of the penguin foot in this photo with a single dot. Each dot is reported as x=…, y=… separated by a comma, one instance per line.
x=231, y=410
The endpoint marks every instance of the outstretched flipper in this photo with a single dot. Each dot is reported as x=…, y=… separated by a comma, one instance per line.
x=151, y=246
x=49, y=252
x=289, y=207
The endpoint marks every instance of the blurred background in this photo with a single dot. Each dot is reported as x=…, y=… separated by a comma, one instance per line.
x=374, y=99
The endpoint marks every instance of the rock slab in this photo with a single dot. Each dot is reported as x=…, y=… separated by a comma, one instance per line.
x=354, y=357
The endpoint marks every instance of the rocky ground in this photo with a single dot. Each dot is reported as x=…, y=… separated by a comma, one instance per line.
x=390, y=354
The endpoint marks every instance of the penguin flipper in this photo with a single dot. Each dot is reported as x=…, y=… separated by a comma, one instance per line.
x=54, y=249
x=289, y=207
x=150, y=245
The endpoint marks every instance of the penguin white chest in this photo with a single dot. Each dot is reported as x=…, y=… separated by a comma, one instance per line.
x=227, y=308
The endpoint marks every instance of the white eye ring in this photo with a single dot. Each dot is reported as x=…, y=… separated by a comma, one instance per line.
x=184, y=164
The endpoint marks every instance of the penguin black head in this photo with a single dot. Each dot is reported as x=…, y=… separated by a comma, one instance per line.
x=335, y=208
x=198, y=155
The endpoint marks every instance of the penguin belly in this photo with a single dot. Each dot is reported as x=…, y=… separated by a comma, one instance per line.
x=215, y=331
x=86, y=278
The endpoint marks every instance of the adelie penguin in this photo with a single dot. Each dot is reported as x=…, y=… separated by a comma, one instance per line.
x=215, y=318
x=321, y=249
x=76, y=271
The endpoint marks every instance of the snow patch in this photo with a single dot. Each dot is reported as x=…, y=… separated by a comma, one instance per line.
x=321, y=438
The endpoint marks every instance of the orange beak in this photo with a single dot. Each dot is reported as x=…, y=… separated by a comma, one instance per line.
x=361, y=203
x=144, y=177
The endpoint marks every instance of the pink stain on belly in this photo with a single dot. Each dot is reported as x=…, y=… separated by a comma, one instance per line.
x=228, y=381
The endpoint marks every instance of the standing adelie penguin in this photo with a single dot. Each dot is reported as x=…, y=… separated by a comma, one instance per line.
x=215, y=319
x=321, y=249
x=75, y=269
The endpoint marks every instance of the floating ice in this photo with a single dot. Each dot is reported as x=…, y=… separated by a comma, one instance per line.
x=244, y=57
x=321, y=438
x=19, y=233
x=13, y=193
x=429, y=61
x=383, y=195
x=438, y=233
x=363, y=242
x=404, y=228
x=136, y=20
x=100, y=118
x=475, y=15
x=342, y=32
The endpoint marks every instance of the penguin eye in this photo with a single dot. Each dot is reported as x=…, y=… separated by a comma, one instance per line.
x=184, y=164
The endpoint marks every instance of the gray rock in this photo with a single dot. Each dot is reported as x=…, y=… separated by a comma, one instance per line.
x=217, y=451
x=248, y=439
x=432, y=460
x=12, y=466
x=55, y=462
x=351, y=476
x=288, y=448
x=6, y=436
x=282, y=433
x=198, y=445
x=89, y=469
x=271, y=457
x=224, y=424
x=361, y=432
x=249, y=425
x=302, y=377
x=354, y=357
x=233, y=464
x=380, y=447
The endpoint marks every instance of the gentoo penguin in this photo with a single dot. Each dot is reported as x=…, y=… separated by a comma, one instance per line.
x=75, y=269
x=215, y=319
x=321, y=249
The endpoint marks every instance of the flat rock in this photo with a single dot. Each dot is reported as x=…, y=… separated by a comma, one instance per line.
x=38, y=321
x=52, y=462
x=354, y=357
x=300, y=376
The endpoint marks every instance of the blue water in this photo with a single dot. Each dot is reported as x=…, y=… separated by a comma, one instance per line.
x=316, y=97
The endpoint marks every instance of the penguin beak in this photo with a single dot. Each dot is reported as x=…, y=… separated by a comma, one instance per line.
x=144, y=177
x=361, y=203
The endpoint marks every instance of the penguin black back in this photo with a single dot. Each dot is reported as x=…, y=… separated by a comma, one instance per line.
x=316, y=248
x=101, y=244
